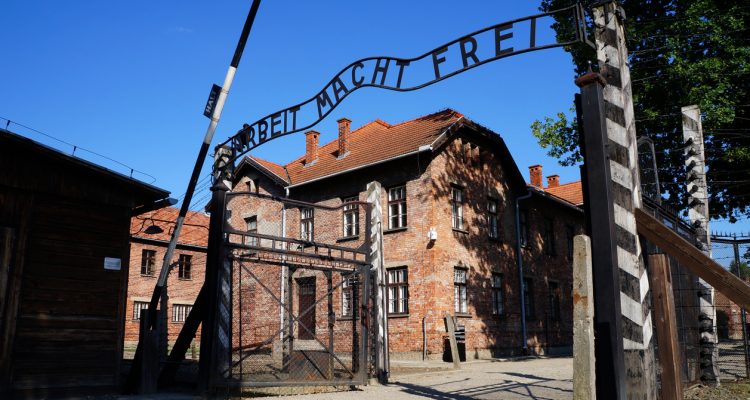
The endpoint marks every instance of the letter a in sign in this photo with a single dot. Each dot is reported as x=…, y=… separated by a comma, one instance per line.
x=211, y=102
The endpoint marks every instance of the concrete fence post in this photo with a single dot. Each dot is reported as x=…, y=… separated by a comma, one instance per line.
x=692, y=132
x=584, y=368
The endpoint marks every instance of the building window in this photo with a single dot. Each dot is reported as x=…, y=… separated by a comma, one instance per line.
x=251, y=226
x=180, y=312
x=459, y=290
x=184, y=266
x=139, y=306
x=549, y=236
x=528, y=296
x=347, y=296
x=398, y=291
x=351, y=217
x=457, y=200
x=497, y=294
x=492, y=219
x=306, y=224
x=570, y=234
x=523, y=221
x=554, y=301
x=397, y=207
x=148, y=259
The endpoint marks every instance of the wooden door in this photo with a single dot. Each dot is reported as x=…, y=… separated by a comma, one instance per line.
x=305, y=299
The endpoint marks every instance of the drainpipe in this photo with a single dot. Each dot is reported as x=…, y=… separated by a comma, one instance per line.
x=283, y=268
x=520, y=270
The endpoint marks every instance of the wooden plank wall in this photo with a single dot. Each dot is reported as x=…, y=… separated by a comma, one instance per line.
x=68, y=332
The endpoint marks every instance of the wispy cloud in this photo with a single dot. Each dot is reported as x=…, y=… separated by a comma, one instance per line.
x=182, y=29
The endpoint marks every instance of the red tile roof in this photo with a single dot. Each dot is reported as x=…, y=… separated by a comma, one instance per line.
x=571, y=192
x=194, y=230
x=371, y=143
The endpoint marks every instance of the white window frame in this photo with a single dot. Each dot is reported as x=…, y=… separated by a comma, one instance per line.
x=350, y=217
x=460, y=292
x=397, y=207
x=457, y=208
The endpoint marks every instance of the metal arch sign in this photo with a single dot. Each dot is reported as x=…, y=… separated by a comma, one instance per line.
x=480, y=47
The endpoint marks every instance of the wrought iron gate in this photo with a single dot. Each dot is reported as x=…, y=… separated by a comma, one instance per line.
x=300, y=291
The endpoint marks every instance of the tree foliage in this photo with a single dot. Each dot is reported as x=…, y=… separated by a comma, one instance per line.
x=681, y=52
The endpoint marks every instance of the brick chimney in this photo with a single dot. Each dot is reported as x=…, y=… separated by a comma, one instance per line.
x=535, y=175
x=553, y=181
x=311, y=146
x=344, y=129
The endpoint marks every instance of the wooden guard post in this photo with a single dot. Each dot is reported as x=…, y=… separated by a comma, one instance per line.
x=666, y=333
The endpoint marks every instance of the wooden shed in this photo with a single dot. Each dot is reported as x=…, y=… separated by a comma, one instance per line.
x=64, y=257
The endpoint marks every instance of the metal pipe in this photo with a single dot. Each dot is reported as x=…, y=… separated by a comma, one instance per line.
x=424, y=338
x=519, y=259
x=283, y=269
x=736, y=247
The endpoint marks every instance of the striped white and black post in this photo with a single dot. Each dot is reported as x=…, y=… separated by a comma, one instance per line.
x=692, y=132
x=377, y=262
x=622, y=151
x=216, y=330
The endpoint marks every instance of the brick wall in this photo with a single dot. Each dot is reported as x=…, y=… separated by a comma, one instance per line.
x=141, y=287
x=430, y=264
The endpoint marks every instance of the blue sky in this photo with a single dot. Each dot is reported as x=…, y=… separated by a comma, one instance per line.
x=129, y=80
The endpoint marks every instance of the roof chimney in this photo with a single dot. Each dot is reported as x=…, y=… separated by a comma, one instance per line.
x=553, y=181
x=311, y=147
x=344, y=129
x=535, y=175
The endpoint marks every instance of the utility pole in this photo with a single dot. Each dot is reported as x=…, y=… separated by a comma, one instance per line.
x=692, y=132
x=621, y=151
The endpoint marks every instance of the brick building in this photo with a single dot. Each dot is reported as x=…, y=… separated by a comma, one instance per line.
x=147, y=248
x=440, y=173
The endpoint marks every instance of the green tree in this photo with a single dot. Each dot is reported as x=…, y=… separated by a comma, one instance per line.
x=681, y=52
x=743, y=271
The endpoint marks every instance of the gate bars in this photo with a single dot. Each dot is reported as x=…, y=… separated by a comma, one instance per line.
x=300, y=308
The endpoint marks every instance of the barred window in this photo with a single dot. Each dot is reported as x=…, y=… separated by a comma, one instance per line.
x=185, y=265
x=139, y=306
x=528, y=296
x=492, y=220
x=497, y=294
x=180, y=312
x=251, y=226
x=306, y=224
x=554, y=301
x=523, y=218
x=459, y=290
x=398, y=291
x=351, y=217
x=397, y=207
x=347, y=296
x=148, y=259
x=549, y=236
x=457, y=199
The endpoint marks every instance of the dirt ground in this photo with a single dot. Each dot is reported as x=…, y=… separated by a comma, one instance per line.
x=727, y=391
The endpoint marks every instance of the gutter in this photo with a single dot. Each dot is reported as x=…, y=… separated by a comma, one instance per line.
x=555, y=199
x=421, y=149
x=519, y=259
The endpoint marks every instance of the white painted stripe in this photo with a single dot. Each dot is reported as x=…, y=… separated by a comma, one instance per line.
x=644, y=285
x=620, y=174
x=631, y=309
x=625, y=220
x=648, y=331
x=617, y=134
x=628, y=344
x=628, y=262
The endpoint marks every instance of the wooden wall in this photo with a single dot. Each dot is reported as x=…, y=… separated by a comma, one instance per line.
x=61, y=311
